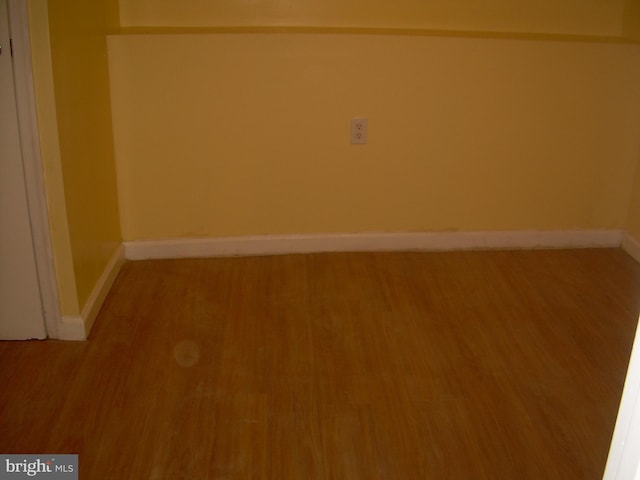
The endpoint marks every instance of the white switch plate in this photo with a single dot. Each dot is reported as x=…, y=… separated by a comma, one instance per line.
x=358, y=130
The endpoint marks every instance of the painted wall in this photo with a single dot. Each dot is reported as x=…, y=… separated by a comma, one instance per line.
x=584, y=17
x=241, y=134
x=633, y=219
x=72, y=90
x=631, y=20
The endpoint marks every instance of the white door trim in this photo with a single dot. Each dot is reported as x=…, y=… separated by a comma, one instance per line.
x=623, y=462
x=32, y=163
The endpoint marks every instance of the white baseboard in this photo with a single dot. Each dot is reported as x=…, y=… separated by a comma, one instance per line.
x=77, y=327
x=631, y=246
x=71, y=328
x=362, y=242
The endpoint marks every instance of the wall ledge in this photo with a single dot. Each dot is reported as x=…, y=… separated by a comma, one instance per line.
x=388, y=31
x=362, y=242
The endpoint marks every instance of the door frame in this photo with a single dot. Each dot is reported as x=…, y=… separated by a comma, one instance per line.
x=623, y=462
x=32, y=163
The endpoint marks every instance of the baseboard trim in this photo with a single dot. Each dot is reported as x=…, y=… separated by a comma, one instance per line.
x=71, y=328
x=362, y=242
x=631, y=246
x=77, y=327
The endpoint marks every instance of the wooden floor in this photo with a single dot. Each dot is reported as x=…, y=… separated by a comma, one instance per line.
x=484, y=365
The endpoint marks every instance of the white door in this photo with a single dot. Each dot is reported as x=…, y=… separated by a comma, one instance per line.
x=21, y=312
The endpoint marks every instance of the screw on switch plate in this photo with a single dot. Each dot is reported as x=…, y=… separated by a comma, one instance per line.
x=358, y=130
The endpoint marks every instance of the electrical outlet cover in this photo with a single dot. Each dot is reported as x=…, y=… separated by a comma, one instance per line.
x=358, y=131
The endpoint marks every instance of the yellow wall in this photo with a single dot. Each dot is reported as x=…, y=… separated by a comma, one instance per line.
x=240, y=134
x=633, y=219
x=631, y=20
x=72, y=91
x=632, y=30
x=585, y=17
x=236, y=134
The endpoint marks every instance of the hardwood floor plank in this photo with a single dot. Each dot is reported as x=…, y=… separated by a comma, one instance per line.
x=483, y=365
